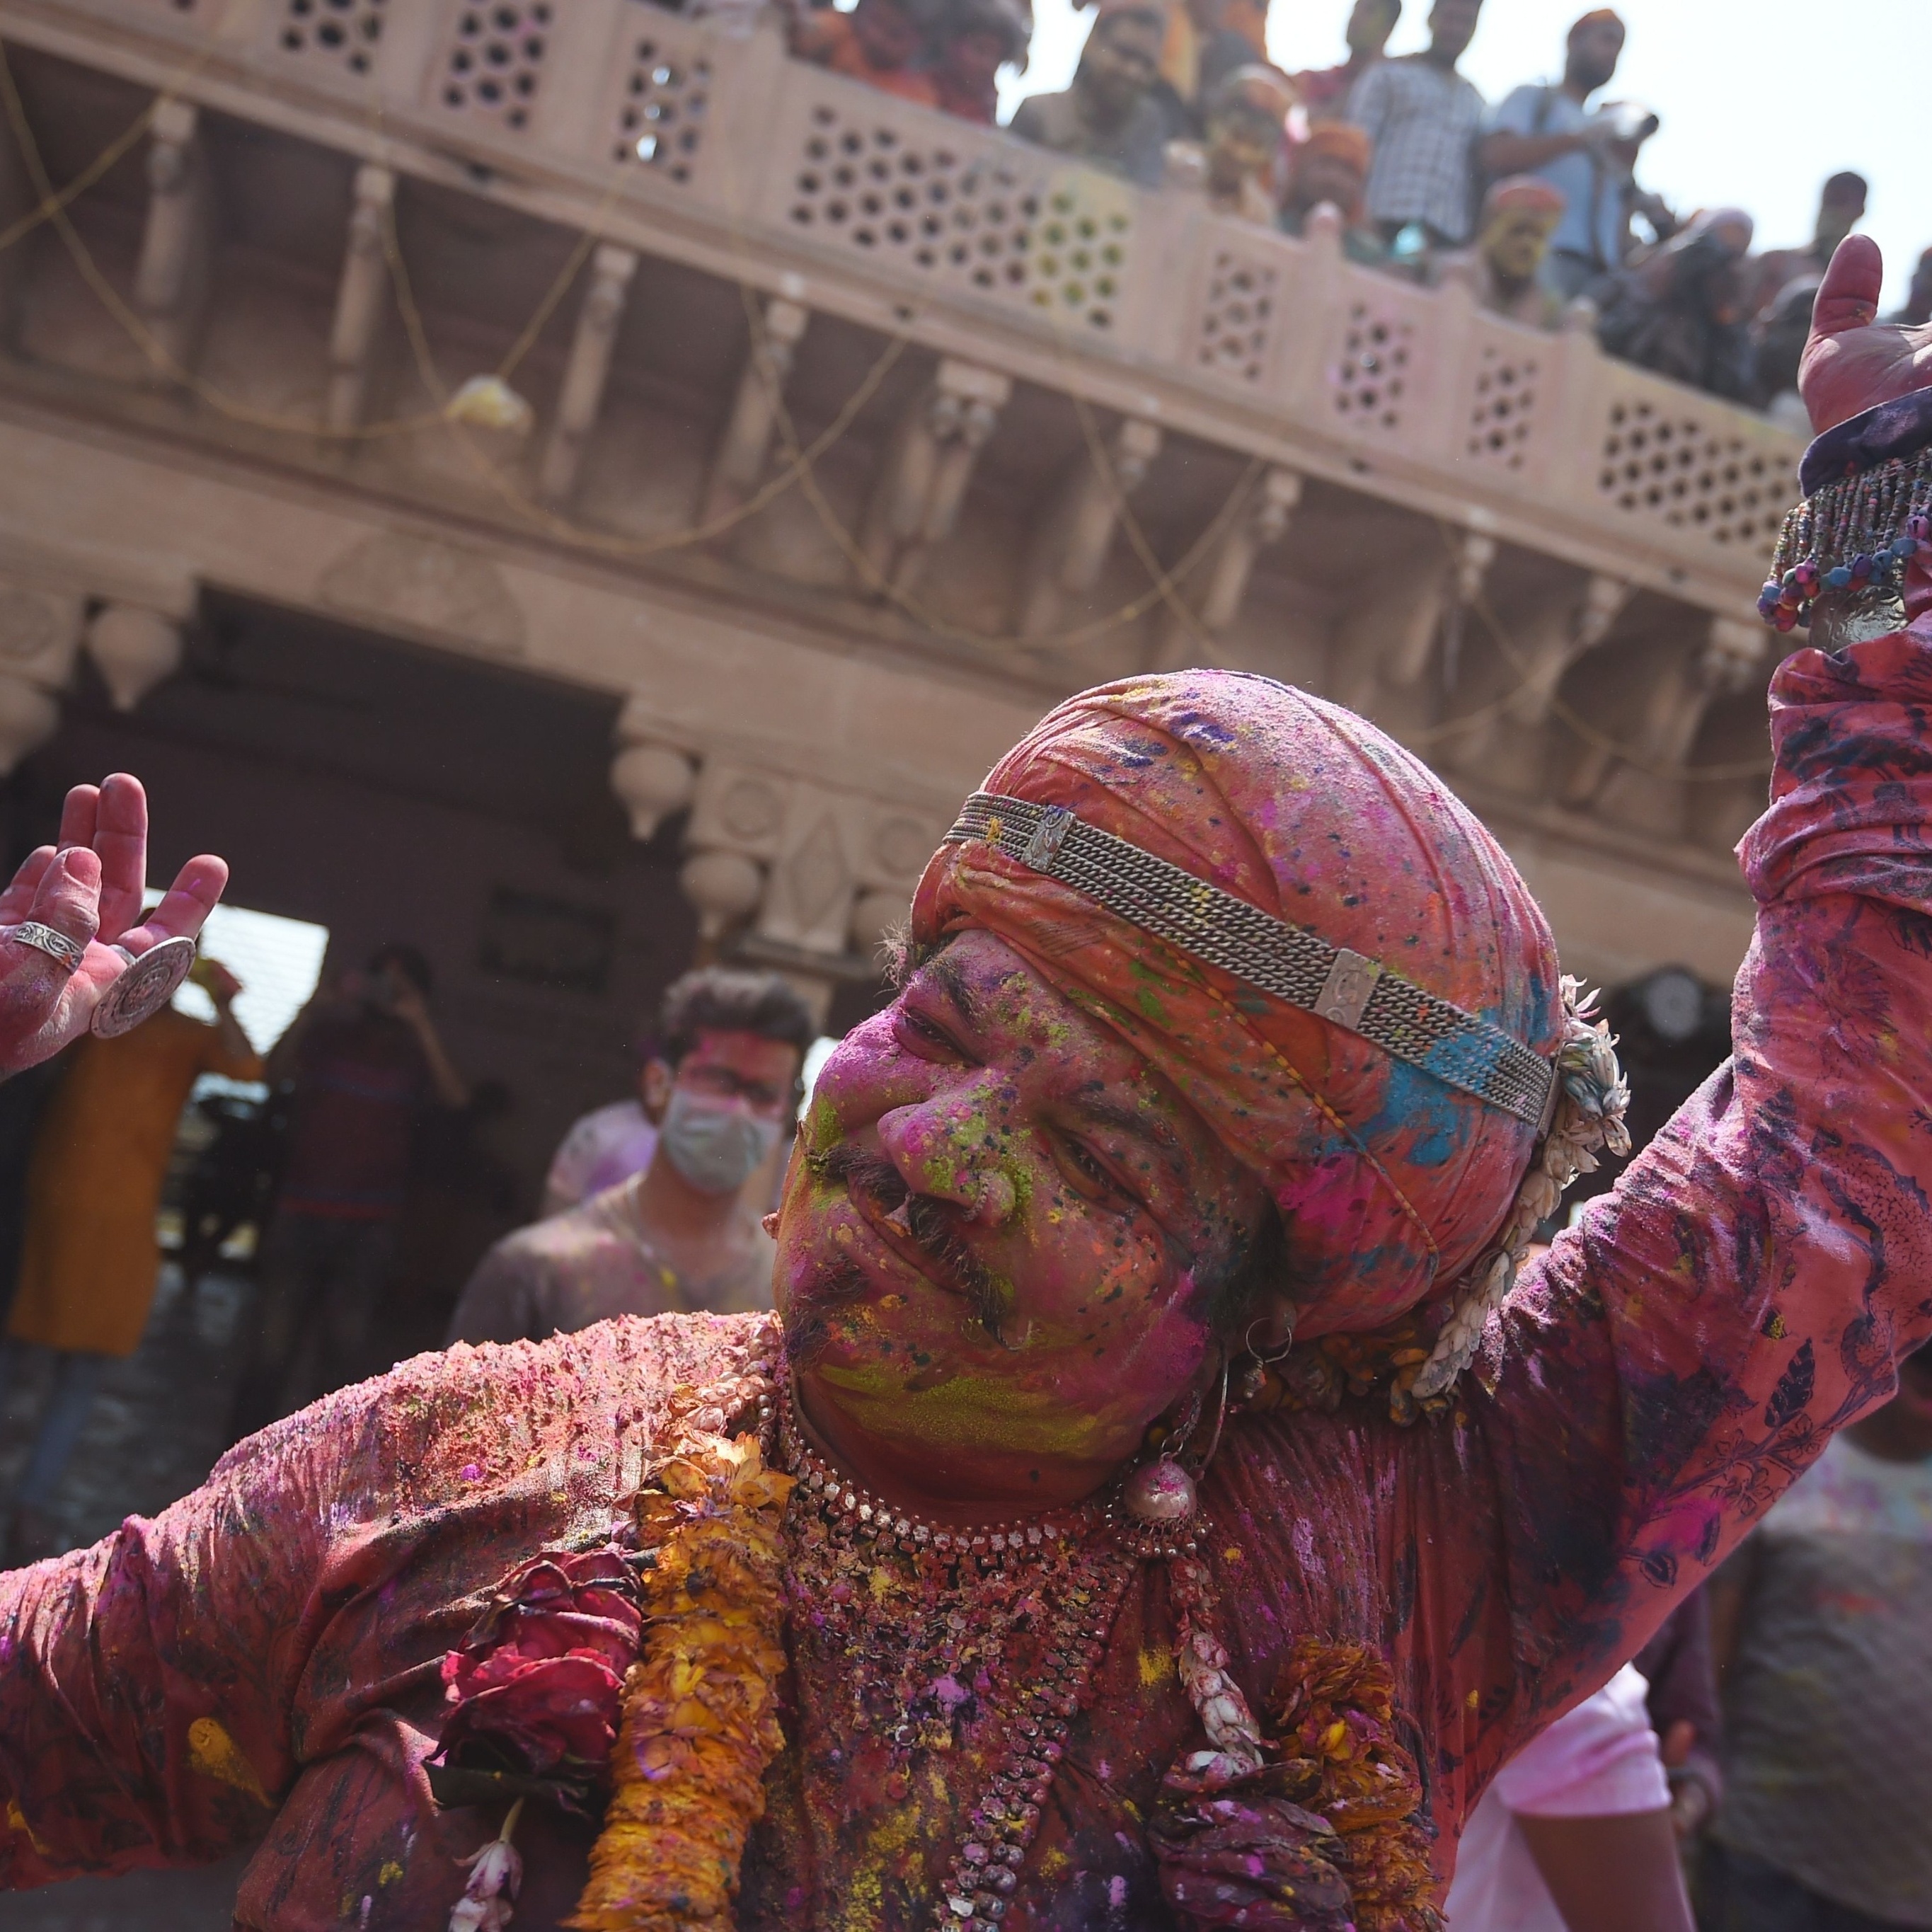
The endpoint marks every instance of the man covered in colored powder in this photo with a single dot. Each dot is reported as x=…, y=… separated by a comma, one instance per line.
x=1159, y=1500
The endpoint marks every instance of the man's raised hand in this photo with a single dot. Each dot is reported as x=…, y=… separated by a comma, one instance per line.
x=86, y=891
x=1853, y=362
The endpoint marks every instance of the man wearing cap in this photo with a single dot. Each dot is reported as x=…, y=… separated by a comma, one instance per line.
x=1505, y=267
x=1548, y=130
x=1166, y=1494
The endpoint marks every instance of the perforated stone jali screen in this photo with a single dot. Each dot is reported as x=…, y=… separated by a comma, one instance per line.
x=1238, y=317
x=342, y=33
x=660, y=115
x=974, y=215
x=492, y=61
x=1692, y=476
x=1370, y=381
x=1503, y=416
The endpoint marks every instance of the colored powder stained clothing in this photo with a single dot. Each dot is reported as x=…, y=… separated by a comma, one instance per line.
x=90, y=1260
x=259, y=1665
x=1829, y=1704
x=603, y=1147
x=359, y=1079
x=1424, y=121
x=592, y=1263
x=1598, y=1761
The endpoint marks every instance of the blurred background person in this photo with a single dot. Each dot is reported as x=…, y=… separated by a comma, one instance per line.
x=1917, y=310
x=1324, y=91
x=1236, y=165
x=1108, y=115
x=1778, y=337
x=1682, y=312
x=361, y=1063
x=605, y=1146
x=1505, y=268
x=879, y=43
x=1822, y=1624
x=1841, y=207
x=89, y=1261
x=1331, y=167
x=1423, y=120
x=1575, y=1834
x=1205, y=41
x=976, y=39
x=685, y=1234
x=1546, y=129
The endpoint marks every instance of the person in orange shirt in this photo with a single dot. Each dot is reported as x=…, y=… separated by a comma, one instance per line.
x=89, y=1263
x=877, y=43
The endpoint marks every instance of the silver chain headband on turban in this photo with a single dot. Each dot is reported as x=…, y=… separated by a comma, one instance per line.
x=1577, y=1103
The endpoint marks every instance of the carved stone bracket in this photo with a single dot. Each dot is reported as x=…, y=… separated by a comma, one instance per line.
x=1645, y=794
x=1074, y=535
x=134, y=649
x=586, y=372
x=1260, y=522
x=744, y=451
x=1382, y=649
x=922, y=484
x=171, y=278
x=360, y=295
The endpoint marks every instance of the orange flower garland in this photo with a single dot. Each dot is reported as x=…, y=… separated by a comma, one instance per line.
x=700, y=1722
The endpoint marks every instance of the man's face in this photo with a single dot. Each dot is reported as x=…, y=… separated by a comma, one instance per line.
x=1121, y=60
x=1370, y=23
x=1320, y=178
x=1000, y=1234
x=1515, y=240
x=887, y=32
x=1452, y=26
x=729, y=1068
x=1242, y=137
x=1594, y=55
x=1838, y=214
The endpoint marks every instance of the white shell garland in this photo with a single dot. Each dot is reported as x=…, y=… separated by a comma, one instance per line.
x=1592, y=1098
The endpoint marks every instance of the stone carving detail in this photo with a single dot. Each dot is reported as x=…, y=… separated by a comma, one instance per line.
x=1693, y=474
x=587, y=371
x=171, y=278
x=134, y=649
x=359, y=296
x=40, y=632
x=659, y=115
x=343, y=33
x=744, y=448
x=1260, y=523
x=422, y=586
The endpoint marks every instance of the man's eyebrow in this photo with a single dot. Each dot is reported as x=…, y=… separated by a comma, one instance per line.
x=1137, y=1121
x=960, y=995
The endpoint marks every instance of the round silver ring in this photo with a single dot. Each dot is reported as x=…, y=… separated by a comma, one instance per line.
x=62, y=950
x=148, y=984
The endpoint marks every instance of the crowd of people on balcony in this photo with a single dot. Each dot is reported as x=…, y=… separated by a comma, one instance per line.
x=1532, y=202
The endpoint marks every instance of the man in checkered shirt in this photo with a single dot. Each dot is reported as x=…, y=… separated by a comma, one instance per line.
x=1425, y=120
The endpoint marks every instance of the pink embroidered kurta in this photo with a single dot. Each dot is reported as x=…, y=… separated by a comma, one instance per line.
x=258, y=1665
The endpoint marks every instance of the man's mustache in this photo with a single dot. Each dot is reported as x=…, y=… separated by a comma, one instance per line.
x=928, y=1223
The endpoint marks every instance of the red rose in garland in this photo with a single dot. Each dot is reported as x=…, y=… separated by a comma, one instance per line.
x=535, y=1684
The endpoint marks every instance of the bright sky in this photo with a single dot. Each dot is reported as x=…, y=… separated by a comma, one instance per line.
x=1760, y=99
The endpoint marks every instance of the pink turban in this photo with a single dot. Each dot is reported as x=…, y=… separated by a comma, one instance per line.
x=1390, y=1181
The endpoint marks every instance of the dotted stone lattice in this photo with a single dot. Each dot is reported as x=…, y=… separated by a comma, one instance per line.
x=341, y=31
x=660, y=117
x=493, y=63
x=1237, y=317
x=1505, y=412
x=1692, y=475
x=1051, y=237
x=1370, y=380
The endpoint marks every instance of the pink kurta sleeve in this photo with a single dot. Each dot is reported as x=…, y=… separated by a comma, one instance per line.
x=1686, y=1351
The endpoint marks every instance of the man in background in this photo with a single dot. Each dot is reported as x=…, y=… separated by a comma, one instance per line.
x=1841, y=207
x=684, y=1235
x=1823, y=1632
x=1331, y=169
x=1504, y=269
x=1424, y=120
x=360, y=1062
x=1108, y=116
x=1548, y=130
x=88, y=1262
x=1324, y=91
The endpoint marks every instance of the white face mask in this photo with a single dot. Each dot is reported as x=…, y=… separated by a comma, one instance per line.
x=715, y=1145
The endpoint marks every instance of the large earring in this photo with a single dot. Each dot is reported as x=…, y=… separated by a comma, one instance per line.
x=1253, y=1378
x=1164, y=1492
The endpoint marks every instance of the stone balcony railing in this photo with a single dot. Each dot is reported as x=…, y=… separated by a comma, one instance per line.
x=1535, y=564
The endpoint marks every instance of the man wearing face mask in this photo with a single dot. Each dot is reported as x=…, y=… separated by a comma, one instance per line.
x=684, y=1234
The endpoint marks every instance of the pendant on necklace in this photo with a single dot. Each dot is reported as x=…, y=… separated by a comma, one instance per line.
x=1161, y=1491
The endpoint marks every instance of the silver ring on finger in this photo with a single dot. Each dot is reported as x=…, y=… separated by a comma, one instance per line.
x=61, y=950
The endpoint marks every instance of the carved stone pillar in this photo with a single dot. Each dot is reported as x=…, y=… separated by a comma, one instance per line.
x=589, y=369
x=360, y=297
x=1073, y=537
x=39, y=633
x=1648, y=792
x=134, y=649
x=745, y=449
x=1261, y=522
x=1382, y=649
x=171, y=279
x=922, y=484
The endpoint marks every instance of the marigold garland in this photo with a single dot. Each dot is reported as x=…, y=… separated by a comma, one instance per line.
x=699, y=1718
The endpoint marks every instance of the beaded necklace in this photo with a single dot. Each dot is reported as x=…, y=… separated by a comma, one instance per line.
x=999, y=1627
